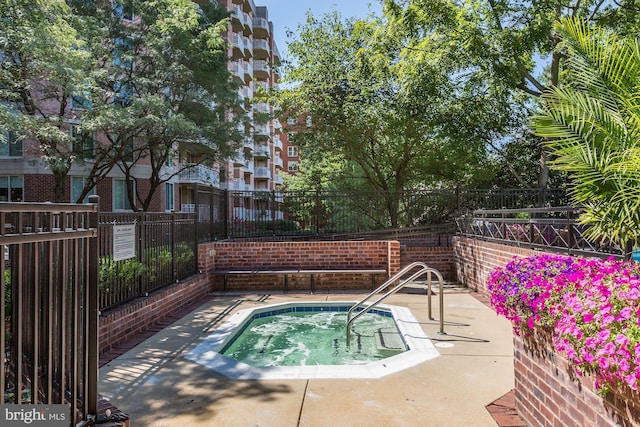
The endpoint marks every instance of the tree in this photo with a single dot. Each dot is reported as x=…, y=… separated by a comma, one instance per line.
x=165, y=91
x=502, y=42
x=43, y=68
x=592, y=122
x=398, y=125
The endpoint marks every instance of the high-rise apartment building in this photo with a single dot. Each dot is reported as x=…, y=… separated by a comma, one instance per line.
x=256, y=166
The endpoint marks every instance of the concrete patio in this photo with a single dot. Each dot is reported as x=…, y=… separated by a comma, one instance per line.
x=157, y=386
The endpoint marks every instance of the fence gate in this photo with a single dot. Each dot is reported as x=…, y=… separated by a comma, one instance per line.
x=49, y=306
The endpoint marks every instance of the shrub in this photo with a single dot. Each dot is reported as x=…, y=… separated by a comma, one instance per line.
x=590, y=305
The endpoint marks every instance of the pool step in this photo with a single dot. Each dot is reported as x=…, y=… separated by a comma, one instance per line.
x=388, y=340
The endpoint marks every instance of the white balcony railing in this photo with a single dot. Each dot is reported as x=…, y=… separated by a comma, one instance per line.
x=278, y=162
x=262, y=23
x=198, y=174
x=277, y=142
x=260, y=44
x=263, y=172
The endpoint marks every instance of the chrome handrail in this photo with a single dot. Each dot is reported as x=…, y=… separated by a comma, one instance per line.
x=424, y=268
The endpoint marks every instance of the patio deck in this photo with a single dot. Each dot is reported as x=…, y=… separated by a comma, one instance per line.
x=157, y=386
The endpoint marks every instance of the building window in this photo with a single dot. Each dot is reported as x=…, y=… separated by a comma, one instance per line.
x=292, y=166
x=11, y=189
x=84, y=144
x=81, y=102
x=292, y=151
x=120, y=199
x=77, y=185
x=10, y=145
x=169, y=197
x=291, y=121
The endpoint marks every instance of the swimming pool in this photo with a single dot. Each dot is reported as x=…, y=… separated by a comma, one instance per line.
x=404, y=343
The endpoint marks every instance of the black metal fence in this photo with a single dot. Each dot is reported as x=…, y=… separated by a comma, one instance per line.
x=49, y=306
x=551, y=229
x=240, y=214
x=164, y=245
x=160, y=249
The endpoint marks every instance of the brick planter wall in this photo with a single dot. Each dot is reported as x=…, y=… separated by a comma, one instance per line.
x=549, y=394
x=475, y=259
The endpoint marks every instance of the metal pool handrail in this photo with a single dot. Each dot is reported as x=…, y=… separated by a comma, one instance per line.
x=424, y=268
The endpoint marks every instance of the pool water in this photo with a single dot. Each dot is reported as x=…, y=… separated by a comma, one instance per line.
x=315, y=338
x=257, y=345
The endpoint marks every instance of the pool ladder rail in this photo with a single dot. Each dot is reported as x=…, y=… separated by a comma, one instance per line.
x=423, y=269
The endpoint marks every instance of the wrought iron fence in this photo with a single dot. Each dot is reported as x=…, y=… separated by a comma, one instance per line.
x=324, y=213
x=551, y=229
x=49, y=306
x=165, y=252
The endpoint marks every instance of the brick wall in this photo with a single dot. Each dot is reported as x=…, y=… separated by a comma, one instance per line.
x=548, y=394
x=304, y=255
x=475, y=259
x=440, y=258
x=40, y=188
x=120, y=325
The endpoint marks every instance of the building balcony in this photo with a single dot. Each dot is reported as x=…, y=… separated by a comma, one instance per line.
x=248, y=72
x=276, y=54
x=262, y=172
x=247, y=143
x=248, y=47
x=198, y=174
x=238, y=159
x=235, y=184
x=237, y=19
x=277, y=160
x=261, y=152
x=261, y=49
x=236, y=72
x=278, y=180
x=249, y=6
x=261, y=69
x=277, y=142
x=260, y=132
x=237, y=46
x=260, y=27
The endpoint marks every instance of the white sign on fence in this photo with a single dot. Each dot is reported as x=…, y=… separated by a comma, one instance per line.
x=124, y=242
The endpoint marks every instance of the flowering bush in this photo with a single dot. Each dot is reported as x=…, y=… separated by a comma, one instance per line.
x=591, y=306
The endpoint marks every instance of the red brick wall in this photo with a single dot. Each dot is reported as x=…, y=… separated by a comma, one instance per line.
x=40, y=188
x=547, y=394
x=304, y=255
x=440, y=258
x=120, y=325
x=475, y=259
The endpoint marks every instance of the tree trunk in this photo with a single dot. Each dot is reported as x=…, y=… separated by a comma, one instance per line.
x=59, y=178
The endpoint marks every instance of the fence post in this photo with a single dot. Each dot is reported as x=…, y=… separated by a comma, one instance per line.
x=212, y=230
x=142, y=244
x=173, y=245
x=570, y=237
x=225, y=214
x=92, y=313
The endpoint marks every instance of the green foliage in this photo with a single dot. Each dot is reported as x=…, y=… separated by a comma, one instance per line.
x=380, y=119
x=505, y=50
x=592, y=122
x=111, y=273
x=184, y=253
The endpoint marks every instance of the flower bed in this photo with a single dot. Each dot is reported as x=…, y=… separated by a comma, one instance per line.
x=588, y=309
x=591, y=306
